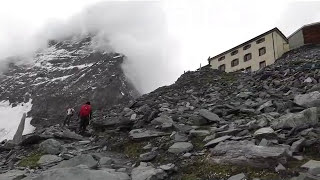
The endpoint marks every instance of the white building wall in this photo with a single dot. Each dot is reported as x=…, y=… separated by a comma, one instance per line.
x=269, y=57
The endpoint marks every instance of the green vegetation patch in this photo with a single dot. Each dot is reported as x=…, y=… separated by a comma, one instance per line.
x=228, y=77
x=133, y=149
x=31, y=160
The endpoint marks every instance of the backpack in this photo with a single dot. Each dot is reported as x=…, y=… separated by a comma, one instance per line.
x=85, y=110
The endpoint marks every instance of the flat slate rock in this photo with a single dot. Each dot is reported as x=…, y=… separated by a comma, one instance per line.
x=13, y=175
x=83, y=159
x=249, y=154
x=80, y=173
x=180, y=147
x=144, y=133
x=238, y=177
x=311, y=164
x=209, y=115
x=46, y=160
x=217, y=141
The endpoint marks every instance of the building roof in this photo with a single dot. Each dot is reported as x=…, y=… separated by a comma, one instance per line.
x=307, y=25
x=253, y=39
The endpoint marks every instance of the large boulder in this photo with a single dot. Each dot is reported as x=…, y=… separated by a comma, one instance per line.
x=13, y=175
x=51, y=146
x=294, y=120
x=247, y=153
x=311, y=99
x=163, y=120
x=209, y=115
x=47, y=160
x=180, y=147
x=111, y=122
x=267, y=133
x=80, y=173
x=145, y=172
x=84, y=159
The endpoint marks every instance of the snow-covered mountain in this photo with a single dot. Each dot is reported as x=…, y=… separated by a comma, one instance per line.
x=66, y=73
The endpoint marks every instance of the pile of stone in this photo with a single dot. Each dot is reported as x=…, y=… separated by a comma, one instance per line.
x=263, y=119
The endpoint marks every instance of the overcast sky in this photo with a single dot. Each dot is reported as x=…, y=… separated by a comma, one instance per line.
x=198, y=28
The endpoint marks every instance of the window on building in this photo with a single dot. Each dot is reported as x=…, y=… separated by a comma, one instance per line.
x=234, y=52
x=262, y=64
x=260, y=40
x=221, y=58
x=234, y=62
x=222, y=67
x=246, y=47
x=247, y=57
x=248, y=69
x=262, y=51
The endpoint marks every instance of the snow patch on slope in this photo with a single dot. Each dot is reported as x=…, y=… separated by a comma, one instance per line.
x=10, y=118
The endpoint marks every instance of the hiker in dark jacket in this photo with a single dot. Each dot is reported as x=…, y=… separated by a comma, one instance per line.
x=85, y=115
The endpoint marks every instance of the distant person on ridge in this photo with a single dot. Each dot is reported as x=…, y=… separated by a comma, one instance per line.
x=85, y=115
x=70, y=112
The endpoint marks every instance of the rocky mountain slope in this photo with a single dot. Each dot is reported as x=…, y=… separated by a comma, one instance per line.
x=67, y=73
x=207, y=125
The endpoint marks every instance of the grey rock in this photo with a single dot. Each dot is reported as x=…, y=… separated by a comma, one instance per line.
x=51, y=146
x=67, y=134
x=280, y=167
x=84, y=159
x=180, y=147
x=198, y=120
x=164, y=120
x=209, y=115
x=294, y=120
x=182, y=128
x=167, y=167
x=299, y=158
x=311, y=164
x=149, y=156
x=297, y=145
x=179, y=137
x=217, y=141
x=144, y=133
x=230, y=132
x=105, y=161
x=145, y=172
x=13, y=175
x=246, y=153
x=305, y=176
x=314, y=171
x=264, y=105
x=199, y=133
x=267, y=133
x=209, y=138
x=17, y=138
x=240, y=176
x=264, y=142
x=311, y=99
x=80, y=173
x=47, y=160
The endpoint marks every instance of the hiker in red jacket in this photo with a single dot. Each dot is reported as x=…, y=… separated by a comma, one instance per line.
x=85, y=115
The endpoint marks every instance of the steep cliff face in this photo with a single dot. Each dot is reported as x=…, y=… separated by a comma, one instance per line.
x=67, y=73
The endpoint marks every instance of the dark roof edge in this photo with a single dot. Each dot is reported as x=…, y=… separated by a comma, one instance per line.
x=307, y=25
x=253, y=39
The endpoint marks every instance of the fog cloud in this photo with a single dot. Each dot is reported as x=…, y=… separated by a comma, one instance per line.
x=136, y=29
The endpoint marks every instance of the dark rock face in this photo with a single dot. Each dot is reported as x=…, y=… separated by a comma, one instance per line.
x=67, y=73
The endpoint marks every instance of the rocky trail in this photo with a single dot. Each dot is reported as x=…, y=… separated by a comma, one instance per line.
x=208, y=125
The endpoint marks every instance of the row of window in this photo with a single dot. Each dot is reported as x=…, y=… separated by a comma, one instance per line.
x=262, y=64
x=247, y=57
x=244, y=48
